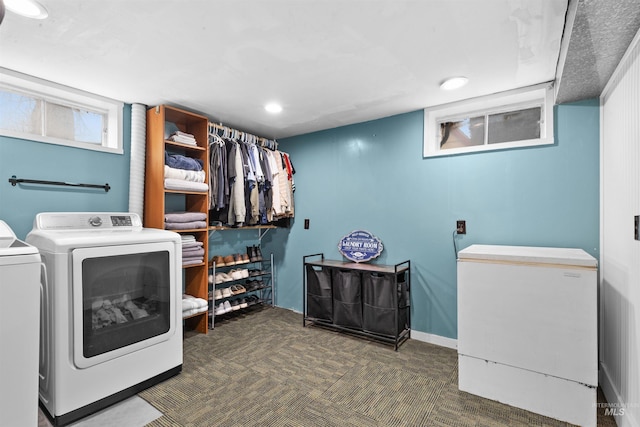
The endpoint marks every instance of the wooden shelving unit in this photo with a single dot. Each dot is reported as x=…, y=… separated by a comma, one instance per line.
x=158, y=200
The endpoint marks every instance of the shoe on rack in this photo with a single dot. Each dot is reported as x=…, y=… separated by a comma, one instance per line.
x=244, y=272
x=250, y=285
x=235, y=305
x=220, y=310
x=218, y=279
x=229, y=260
x=218, y=294
x=236, y=274
x=237, y=259
x=245, y=258
x=211, y=279
x=226, y=293
x=227, y=307
x=251, y=253
x=243, y=303
x=225, y=277
x=258, y=253
x=237, y=289
x=218, y=261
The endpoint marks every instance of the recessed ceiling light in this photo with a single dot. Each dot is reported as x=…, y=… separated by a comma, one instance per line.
x=273, y=108
x=27, y=8
x=454, y=83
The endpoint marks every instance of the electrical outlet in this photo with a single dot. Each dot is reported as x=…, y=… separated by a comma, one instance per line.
x=636, y=233
x=306, y=224
x=461, y=226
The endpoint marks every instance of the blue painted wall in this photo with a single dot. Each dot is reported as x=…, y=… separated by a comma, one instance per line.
x=372, y=176
x=35, y=160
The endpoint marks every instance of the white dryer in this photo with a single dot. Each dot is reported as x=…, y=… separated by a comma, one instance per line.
x=112, y=318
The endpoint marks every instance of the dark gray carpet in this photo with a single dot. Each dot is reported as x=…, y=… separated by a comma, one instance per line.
x=264, y=369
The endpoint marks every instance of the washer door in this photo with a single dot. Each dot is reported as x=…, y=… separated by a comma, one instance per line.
x=124, y=299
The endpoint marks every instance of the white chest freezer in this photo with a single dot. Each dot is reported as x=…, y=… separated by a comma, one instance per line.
x=527, y=329
x=19, y=330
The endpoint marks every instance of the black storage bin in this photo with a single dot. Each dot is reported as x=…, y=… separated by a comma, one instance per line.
x=347, y=298
x=319, y=295
x=379, y=308
x=404, y=302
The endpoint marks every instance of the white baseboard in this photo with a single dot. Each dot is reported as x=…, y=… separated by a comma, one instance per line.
x=434, y=339
x=611, y=393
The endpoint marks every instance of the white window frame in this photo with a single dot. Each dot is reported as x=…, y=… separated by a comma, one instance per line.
x=69, y=97
x=534, y=96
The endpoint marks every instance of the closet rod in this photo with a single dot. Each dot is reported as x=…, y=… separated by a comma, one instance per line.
x=231, y=131
x=13, y=180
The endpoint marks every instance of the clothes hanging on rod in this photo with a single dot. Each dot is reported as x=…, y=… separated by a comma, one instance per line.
x=250, y=181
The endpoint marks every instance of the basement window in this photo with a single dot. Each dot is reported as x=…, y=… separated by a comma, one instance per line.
x=39, y=110
x=520, y=118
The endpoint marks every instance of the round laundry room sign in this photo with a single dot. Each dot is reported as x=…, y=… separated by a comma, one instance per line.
x=360, y=246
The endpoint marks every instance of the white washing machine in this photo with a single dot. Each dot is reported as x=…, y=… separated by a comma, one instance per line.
x=19, y=318
x=111, y=312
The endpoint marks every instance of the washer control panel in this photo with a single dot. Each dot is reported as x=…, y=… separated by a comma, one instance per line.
x=87, y=221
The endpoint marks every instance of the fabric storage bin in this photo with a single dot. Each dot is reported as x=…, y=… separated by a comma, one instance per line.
x=379, y=305
x=347, y=298
x=404, y=302
x=319, y=294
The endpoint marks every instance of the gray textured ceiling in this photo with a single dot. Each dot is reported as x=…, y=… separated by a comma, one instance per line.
x=599, y=37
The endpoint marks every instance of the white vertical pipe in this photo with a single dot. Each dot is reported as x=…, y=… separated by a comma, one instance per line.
x=137, y=164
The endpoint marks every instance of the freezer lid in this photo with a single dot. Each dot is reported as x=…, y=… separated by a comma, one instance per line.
x=10, y=245
x=528, y=254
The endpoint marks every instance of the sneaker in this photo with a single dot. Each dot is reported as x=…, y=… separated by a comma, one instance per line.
x=235, y=305
x=218, y=261
x=218, y=294
x=229, y=260
x=243, y=303
x=227, y=307
x=225, y=277
x=226, y=293
x=250, y=285
x=211, y=279
x=258, y=253
x=220, y=310
x=237, y=259
x=236, y=274
x=218, y=278
x=245, y=258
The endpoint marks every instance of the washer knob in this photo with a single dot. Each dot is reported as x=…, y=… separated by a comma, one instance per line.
x=95, y=221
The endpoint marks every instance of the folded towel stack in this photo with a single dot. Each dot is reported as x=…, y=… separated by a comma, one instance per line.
x=183, y=138
x=185, y=220
x=192, y=250
x=184, y=173
x=192, y=305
